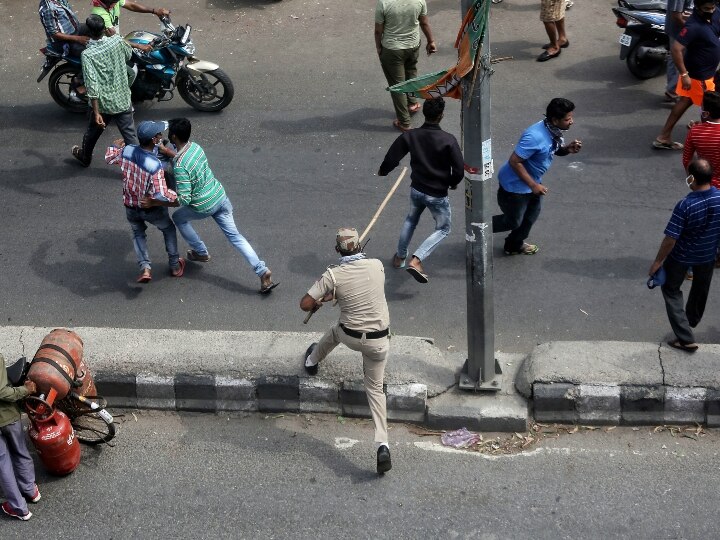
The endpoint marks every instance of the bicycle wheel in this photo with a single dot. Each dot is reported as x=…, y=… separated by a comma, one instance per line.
x=92, y=428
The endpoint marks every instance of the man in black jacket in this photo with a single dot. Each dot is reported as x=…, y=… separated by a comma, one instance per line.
x=437, y=164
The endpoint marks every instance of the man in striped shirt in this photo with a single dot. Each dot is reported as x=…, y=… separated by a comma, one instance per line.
x=202, y=196
x=703, y=138
x=691, y=240
x=107, y=80
x=143, y=176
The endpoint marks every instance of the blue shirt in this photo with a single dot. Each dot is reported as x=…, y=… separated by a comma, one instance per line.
x=57, y=16
x=695, y=226
x=702, y=41
x=535, y=147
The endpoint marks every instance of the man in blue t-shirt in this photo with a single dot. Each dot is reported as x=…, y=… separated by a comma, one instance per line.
x=521, y=187
x=691, y=240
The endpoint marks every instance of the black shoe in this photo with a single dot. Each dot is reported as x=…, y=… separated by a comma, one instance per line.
x=384, y=464
x=311, y=370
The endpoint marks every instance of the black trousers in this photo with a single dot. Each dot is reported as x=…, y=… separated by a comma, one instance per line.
x=684, y=318
x=520, y=212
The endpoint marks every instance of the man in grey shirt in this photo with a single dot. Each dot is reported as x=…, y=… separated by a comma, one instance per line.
x=674, y=21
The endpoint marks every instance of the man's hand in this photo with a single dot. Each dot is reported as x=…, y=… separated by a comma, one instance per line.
x=686, y=81
x=147, y=202
x=82, y=39
x=99, y=120
x=574, y=147
x=30, y=386
x=161, y=12
x=144, y=48
x=119, y=143
x=539, y=189
x=654, y=267
x=431, y=47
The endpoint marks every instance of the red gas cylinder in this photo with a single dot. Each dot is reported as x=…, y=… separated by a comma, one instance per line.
x=53, y=437
x=58, y=364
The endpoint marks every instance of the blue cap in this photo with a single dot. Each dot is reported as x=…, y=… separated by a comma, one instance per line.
x=657, y=279
x=148, y=129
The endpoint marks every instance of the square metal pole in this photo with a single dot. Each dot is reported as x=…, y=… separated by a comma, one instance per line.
x=481, y=371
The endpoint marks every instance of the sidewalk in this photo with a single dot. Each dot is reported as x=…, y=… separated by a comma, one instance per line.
x=565, y=382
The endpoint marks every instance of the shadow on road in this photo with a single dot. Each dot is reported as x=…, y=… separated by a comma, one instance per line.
x=358, y=119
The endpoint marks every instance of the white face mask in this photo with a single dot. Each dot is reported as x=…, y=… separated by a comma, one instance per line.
x=689, y=180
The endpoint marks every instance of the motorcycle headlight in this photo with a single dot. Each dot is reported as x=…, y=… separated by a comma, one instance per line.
x=190, y=48
x=186, y=35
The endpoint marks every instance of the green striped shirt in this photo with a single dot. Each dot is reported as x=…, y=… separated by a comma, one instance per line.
x=104, y=65
x=197, y=186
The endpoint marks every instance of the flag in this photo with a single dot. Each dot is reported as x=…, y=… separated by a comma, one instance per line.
x=468, y=43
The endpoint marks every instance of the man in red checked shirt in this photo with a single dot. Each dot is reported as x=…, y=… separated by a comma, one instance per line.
x=703, y=138
x=143, y=176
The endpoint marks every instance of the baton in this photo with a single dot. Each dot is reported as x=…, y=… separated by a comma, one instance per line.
x=370, y=225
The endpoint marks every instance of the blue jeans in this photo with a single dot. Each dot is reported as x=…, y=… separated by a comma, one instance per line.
x=439, y=208
x=159, y=217
x=223, y=216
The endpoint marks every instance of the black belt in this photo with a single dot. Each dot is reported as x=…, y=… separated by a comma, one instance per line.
x=368, y=335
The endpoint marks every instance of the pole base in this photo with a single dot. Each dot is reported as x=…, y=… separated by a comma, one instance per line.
x=494, y=384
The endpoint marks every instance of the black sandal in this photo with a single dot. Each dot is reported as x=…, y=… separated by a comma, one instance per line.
x=687, y=347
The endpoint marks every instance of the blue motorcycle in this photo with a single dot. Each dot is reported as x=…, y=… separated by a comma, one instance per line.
x=169, y=66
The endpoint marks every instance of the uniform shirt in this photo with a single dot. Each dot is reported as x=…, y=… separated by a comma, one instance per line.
x=435, y=158
x=110, y=16
x=106, y=75
x=9, y=411
x=360, y=291
x=704, y=140
x=143, y=174
x=57, y=16
x=702, y=40
x=400, y=19
x=195, y=182
x=536, y=148
x=695, y=226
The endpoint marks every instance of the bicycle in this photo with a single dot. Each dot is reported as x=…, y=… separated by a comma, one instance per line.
x=88, y=417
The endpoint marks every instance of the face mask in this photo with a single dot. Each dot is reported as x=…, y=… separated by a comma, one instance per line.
x=689, y=180
x=707, y=16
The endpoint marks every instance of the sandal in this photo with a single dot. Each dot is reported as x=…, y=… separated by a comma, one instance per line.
x=660, y=145
x=399, y=126
x=687, y=347
x=180, y=270
x=144, y=277
x=420, y=277
x=266, y=283
x=563, y=46
x=525, y=249
x=397, y=262
x=77, y=154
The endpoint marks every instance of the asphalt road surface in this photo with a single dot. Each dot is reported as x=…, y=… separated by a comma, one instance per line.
x=192, y=476
x=298, y=150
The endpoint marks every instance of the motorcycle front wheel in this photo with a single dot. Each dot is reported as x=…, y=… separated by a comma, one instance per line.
x=60, y=86
x=208, y=92
x=647, y=67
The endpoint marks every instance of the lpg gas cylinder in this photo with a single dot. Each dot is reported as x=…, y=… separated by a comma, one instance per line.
x=53, y=437
x=57, y=363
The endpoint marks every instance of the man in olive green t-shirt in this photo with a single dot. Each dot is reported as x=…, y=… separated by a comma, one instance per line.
x=109, y=10
x=397, y=40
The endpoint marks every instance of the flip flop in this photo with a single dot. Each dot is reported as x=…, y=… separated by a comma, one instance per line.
x=564, y=46
x=180, y=269
x=267, y=288
x=419, y=276
x=402, y=264
x=687, y=347
x=398, y=125
x=545, y=56
x=659, y=145
x=144, y=277
x=415, y=107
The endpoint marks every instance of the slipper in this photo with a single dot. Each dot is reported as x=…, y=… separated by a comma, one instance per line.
x=659, y=145
x=180, y=270
x=545, y=56
x=687, y=347
x=414, y=107
x=402, y=262
x=77, y=154
x=144, y=277
x=563, y=46
x=399, y=126
x=265, y=289
x=419, y=276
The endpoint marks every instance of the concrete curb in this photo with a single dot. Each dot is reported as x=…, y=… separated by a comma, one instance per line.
x=624, y=384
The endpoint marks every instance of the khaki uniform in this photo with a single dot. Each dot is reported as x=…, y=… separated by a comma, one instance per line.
x=359, y=288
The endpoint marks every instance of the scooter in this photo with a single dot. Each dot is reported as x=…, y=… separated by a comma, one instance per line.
x=170, y=65
x=644, y=45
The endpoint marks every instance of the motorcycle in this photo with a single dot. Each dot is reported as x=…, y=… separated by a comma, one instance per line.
x=170, y=65
x=644, y=45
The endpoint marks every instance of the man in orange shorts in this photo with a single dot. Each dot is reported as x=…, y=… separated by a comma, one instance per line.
x=696, y=54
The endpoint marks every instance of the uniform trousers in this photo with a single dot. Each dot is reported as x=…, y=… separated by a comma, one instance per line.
x=374, y=355
x=17, y=471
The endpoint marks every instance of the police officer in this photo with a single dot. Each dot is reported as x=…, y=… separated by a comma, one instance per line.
x=358, y=285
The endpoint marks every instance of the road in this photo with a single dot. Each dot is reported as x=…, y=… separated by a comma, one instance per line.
x=312, y=476
x=298, y=150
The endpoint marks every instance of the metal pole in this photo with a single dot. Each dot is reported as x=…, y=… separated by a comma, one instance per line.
x=481, y=371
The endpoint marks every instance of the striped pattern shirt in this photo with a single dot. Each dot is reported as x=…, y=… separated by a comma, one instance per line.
x=196, y=185
x=695, y=225
x=107, y=78
x=143, y=175
x=57, y=16
x=704, y=140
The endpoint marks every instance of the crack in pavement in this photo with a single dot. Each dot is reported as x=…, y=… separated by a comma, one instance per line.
x=662, y=367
